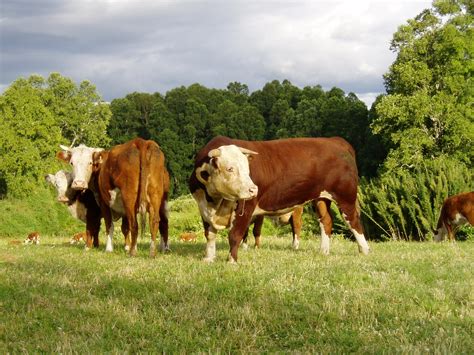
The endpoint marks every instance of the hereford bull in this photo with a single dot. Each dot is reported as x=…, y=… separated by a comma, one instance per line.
x=129, y=179
x=456, y=211
x=236, y=180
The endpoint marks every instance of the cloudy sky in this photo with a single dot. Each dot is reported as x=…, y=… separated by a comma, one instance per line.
x=123, y=46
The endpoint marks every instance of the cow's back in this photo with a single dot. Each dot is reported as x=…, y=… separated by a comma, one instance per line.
x=292, y=171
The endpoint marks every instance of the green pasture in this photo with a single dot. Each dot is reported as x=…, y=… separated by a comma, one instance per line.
x=414, y=297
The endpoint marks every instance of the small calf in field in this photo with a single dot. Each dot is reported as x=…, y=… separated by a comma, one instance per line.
x=188, y=237
x=78, y=238
x=457, y=210
x=32, y=238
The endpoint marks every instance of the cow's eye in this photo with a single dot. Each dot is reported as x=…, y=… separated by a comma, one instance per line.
x=230, y=169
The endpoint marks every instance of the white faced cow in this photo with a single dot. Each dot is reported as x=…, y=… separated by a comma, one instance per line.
x=280, y=176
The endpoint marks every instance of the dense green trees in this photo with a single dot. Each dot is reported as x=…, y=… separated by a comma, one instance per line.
x=37, y=115
x=185, y=119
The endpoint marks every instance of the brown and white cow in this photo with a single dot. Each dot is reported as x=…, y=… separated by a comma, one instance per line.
x=236, y=180
x=82, y=205
x=32, y=238
x=128, y=179
x=456, y=211
x=295, y=219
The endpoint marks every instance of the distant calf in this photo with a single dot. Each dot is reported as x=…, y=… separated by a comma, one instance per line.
x=188, y=237
x=456, y=211
x=78, y=238
x=32, y=238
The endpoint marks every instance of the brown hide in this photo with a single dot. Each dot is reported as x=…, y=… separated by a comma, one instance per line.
x=138, y=169
x=290, y=172
x=460, y=204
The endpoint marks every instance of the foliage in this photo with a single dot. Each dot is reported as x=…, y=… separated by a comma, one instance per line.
x=186, y=118
x=428, y=111
x=406, y=204
x=36, y=116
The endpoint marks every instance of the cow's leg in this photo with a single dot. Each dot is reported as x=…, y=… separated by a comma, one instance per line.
x=163, y=225
x=109, y=228
x=325, y=223
x=133, y=223
x=257, y=230
x=351, y=214
x=240, y=224
x=245, y=245
x=154, y=222
x=210, y=234
x=126, y=233
x=296, y=220
x=450, y=232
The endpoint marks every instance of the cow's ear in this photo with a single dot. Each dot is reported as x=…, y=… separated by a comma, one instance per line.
x=214, y=164
x=64, y=156
x=247, y=152
x=97, y=160
x=199, y=174
x=49, y=178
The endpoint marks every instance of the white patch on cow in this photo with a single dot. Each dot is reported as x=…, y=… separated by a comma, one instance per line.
x=324, y=240
x=229, y=174
x=217, y=214
x=326, y=195
x=363, y=246
x=115, y=202
x=78, y=210
x=211, y=246
x=296, y=242
x=109, y=247
x=459, y=219
x=81, y=161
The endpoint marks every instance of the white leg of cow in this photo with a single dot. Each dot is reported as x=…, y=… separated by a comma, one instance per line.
x=211, y=245
x=363, y=245
x=324, y=240
x=296, y=242
x=110, y=246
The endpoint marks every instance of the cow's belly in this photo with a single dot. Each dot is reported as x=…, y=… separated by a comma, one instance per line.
x=116, y=203
x=78, y=210
x=284, y=212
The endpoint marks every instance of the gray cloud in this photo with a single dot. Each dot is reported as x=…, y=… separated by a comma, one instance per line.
x=123, y=46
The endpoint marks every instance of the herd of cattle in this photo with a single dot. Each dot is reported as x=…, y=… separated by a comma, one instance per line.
x=234, y=182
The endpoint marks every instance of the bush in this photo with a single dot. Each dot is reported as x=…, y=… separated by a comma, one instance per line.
x=406, y=205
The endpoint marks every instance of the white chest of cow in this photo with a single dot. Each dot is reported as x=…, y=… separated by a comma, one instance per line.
x=78, y=210
x=115, y=202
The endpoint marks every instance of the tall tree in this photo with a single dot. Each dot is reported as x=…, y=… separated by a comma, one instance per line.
x=428, y=111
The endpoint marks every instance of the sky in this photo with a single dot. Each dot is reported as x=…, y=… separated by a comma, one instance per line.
x=122, y=46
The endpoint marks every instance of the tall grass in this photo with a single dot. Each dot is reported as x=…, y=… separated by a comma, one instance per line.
x=406, y=205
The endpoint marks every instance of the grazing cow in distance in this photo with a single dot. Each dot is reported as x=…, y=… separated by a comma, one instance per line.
x=128, y=179
x=188, y=237
x=236, y=180
x=33, y=238
x=78, y=238
x=293, y=218
x=456, y=211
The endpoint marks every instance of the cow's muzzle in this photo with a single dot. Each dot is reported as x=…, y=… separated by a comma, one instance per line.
x=79, y=185
x=63, y=199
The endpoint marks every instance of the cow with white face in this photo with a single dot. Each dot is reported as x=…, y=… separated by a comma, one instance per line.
x=80, y=158
x=225, y=173
x=62, y=182
x=228, y=173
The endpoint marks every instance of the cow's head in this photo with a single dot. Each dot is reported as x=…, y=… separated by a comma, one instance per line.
x=81, y=160
x=62, y=182
x=440, y=234
x=227, y=174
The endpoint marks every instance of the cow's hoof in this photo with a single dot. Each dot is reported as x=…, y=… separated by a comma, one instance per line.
x=324, y=251
x=364, y=251
x=127, y=247
x=208, y=260
x=231, y=260
x=295, y=245
x=245, y=246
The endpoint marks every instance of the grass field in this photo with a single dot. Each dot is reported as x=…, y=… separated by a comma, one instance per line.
x=403, y=297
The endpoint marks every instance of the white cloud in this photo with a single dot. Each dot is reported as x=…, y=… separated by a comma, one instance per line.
x=123, y=46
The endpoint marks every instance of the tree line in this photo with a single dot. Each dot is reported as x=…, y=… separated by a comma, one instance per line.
x=420, y=129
